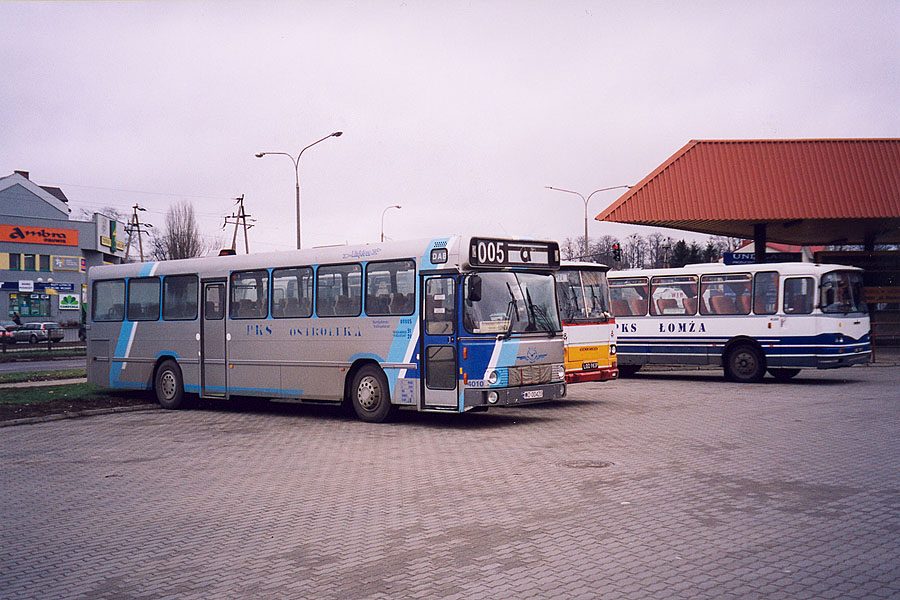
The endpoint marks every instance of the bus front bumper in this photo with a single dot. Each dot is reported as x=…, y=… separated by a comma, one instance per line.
x=513, y=396
x=833, y=361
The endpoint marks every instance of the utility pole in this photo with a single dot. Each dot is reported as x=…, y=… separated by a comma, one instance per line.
x=240, y=218
x=135, y=226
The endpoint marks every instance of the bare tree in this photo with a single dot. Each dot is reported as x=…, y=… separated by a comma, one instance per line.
x=181, y=236
x=635, y=251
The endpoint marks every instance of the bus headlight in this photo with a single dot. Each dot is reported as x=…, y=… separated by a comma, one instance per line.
x=492, y=397
x=612, y=349
x=493, y=377
x=559, y=372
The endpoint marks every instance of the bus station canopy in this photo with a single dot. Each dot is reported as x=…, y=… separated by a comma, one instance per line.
x=826, y=191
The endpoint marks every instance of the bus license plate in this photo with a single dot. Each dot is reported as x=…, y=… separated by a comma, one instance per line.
x=533, y=395
x=589, y=365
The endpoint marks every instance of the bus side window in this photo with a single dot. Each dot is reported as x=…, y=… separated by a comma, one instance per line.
x=798, y=295
x=765, y=293
x=108, y=300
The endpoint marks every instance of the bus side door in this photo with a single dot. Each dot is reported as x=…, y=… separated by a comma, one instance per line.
x=440, y=376
x=212, y=340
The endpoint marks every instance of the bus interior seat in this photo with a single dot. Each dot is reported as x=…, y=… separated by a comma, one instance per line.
x=690, y=306
x=722, y=305
x=639, y=307
x=665, y=305
x=343, y=306
x=743, y=304
x=621, y=308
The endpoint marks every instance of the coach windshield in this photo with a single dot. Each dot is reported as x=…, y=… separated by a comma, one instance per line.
x=842, y=292
x=511, y=302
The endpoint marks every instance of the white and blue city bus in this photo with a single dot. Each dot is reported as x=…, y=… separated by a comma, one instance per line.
x=452, y=324
x=750, y=319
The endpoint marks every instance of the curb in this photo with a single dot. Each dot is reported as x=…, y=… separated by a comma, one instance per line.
x=43, y=383
x=79, y=414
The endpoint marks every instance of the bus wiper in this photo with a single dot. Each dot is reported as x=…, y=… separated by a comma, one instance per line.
x=512, y=310
x=532, y=319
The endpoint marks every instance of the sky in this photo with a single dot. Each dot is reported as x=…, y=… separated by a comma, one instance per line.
x=460, y=112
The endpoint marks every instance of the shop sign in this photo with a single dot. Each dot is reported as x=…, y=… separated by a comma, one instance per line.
x=26, y=285
x=69, y=302
x=67, y=263
x=24, y=234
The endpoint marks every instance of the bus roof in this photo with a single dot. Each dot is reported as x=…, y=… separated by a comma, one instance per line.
x=584, y=266
x=423, y=250
x=786, y=268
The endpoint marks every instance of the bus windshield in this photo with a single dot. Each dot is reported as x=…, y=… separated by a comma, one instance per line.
x=841, y=292
x=511, y=303
x=583, y=296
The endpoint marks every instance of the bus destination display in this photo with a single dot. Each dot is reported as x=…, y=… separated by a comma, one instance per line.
x=486, y=252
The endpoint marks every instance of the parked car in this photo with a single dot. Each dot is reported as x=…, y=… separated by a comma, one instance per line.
x=38, y=332
x=6, y=336
x=8, y=324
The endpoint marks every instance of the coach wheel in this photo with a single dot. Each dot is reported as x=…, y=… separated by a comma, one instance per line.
x=628, y=370
x=370, y=396
x=169, y=385
x=783, y=374
x=745, y=364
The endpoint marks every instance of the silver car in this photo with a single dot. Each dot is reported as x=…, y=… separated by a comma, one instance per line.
x=39, y=332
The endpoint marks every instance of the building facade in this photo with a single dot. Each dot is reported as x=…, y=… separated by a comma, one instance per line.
x=45, y=255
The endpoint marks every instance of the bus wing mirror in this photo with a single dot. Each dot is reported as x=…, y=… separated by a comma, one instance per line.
x=474, y=288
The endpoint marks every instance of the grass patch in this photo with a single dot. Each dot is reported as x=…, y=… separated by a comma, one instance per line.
x=42, y=375
x=42, y=352
x=24, y=402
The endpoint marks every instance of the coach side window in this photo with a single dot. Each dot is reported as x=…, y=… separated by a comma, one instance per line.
x=249, y=294
x=143, y=299
x=629, y=296
x=390, y=288
x=292, y=292
x=673, y=295
x=798, y=295
x=108, y=300
x=725, y=294
x=180, y=297
x=765, y=293
x=339, y=290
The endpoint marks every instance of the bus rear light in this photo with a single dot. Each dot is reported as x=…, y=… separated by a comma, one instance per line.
x=612, y=349
x=465, y=378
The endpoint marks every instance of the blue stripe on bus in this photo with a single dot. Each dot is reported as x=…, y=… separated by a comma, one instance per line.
x=125, y=330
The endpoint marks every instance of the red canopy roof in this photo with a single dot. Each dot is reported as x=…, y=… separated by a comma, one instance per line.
x=805, y=191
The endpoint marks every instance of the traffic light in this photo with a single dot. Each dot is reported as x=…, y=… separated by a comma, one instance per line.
x=617, y=252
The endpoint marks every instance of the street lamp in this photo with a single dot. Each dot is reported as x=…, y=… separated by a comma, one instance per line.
x=586, y=200
x=296, y=162
x=382, y=218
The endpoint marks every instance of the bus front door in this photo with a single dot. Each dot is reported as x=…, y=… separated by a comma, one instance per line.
x=440, y=380
x=212, y=341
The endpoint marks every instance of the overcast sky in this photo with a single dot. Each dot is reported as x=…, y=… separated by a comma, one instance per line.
x=461, y=112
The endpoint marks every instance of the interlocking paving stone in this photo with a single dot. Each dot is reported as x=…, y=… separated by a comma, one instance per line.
x=669, y=485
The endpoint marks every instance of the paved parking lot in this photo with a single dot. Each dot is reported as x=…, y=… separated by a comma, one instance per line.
x=667, y=485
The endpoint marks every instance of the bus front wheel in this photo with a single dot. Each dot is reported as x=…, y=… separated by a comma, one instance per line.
x=169, y=385
x=370, y=395
x=745, y=364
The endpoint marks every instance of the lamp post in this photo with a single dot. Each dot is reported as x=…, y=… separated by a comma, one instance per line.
x=586, y=200
x=296, y=162
x=382, y=218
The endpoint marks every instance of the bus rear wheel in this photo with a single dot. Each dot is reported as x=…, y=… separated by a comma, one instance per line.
x=370, y=395
x=169, y=385
x=783, y=374
x=745, y=364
